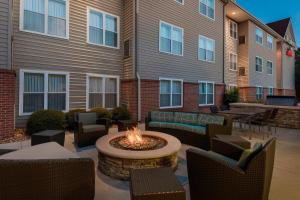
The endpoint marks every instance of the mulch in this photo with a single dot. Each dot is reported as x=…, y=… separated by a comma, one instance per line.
x=18, y=136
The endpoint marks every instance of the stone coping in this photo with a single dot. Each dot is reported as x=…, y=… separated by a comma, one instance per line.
x=266, y=106
x=173, y=146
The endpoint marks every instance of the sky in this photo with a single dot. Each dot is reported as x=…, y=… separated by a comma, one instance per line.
x=273, y=10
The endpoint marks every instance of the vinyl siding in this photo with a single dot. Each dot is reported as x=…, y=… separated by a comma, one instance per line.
x=34, y=51
x=256, y=78
x=152, y=64
x=4, y=34
x=231, y=46
x=243, y=54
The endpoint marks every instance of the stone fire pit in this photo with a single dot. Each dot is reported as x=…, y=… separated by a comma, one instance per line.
x=117, y=155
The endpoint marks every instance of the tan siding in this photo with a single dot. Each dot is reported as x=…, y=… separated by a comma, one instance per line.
x=34, y=51
x=279, y=65
x=4, y=34
x=243, y=55
x=231, y=46
x=152, y=64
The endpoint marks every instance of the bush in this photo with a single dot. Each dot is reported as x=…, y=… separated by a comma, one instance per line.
x=120, y=113
x=45, y=120
x=232, y=96
x=102, y=113
x=70, y=118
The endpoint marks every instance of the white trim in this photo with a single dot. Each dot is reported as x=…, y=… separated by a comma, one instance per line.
x=179, y=2
x=272, y=67
x=237, y=28
x=214, y=43
x=45, y=33
x=159, y=47
x=46, y=74
x=235, y=54
x=104, y=76
x=268, y=35
x=262, y=64
x=171, y=81
x=104, y=27
x=206, y=82
x=262, y=40
x=213, y=19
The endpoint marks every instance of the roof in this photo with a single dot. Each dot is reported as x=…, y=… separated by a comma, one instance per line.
x=280, y=26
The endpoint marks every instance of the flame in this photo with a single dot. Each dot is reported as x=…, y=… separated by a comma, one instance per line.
x=134, y=136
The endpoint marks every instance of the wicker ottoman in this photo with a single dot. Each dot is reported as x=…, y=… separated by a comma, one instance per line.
x=155, y=184
x=237, y=140
x=57, y=136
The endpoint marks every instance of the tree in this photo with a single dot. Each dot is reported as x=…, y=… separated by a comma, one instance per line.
x=297, y=74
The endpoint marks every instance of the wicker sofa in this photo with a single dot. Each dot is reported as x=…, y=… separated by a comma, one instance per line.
x=194, y=129
x=46, y=171
x=217, y=176
x=89, y=128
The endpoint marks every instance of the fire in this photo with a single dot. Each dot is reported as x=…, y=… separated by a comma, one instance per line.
x=134, y=136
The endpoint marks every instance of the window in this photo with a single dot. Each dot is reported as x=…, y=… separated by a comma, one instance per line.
x=180, y=1
x=206, y=51
x=258, y=64
x=43, y=90
x=102, y=91
x=207, y=8
x=270, y=91
x=171, y=93
x=269, y=67
x=233, y=61
x=171, y=39
x=233, y=30
x=259, y=93
x=270, y=42
x=206, y=93
x=48, y=17
x=259, y=36
x=103, y=28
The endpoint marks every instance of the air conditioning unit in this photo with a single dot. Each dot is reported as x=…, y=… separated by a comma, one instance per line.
x=242, y=39
x=242, y=71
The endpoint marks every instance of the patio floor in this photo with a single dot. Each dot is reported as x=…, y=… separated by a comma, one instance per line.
x=285, y=182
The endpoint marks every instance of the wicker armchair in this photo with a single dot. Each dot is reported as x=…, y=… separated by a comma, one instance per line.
x=214, y=176
x=89, y=128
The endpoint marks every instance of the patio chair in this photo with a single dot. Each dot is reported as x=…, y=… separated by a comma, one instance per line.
x=214, y=109
x=46, y=171
x=262, y=121
x=272, y=122
x=215, y=176
x=89, y=128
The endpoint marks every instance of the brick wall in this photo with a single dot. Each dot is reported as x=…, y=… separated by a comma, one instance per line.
x=7, y=102
x=150, y=97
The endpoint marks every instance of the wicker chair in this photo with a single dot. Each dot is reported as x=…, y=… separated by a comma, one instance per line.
x=60, y=178
x=214, y=176
x=214, y=109
x=89, y=128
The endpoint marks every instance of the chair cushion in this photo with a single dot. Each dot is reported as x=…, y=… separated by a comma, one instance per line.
x=87, y=118
x=248, y=155
x=186, y=118
x=93, y=128
x=204, y=119
x=179, y=126
x=159, y=116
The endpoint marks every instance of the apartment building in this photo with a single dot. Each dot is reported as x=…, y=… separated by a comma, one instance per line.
x=255, y=56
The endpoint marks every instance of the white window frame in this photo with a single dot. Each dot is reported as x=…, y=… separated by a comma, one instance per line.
x=206, y=82
x=262, y=64
x=45, y=33
x=262, y=92
x=182, y=92
x=181, y=3
x=262, y=37
x=235, y=25
x=214, y=43
x=268, y=37
x=230, y=67
x=199, y=1
x=230, y=86
x=46, y=73
x=269, y=61
x=104, y=76
x=271, y=88
x=104, y=27
x=170, y=53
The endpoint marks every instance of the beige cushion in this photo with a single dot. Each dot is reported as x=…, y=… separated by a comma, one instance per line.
x=93, y=128
x=50, y=150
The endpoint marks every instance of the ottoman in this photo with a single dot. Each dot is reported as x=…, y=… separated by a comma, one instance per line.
x=157, y=183
x=237, y=140
x=57, y=136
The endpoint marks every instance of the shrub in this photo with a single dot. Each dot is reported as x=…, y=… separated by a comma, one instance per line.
x=70, y=118
x=45, y=120
x=232, y=96
x=120, y=113
x=102, y=113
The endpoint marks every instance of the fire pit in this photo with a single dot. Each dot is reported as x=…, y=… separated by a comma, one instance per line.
x=119, y=153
